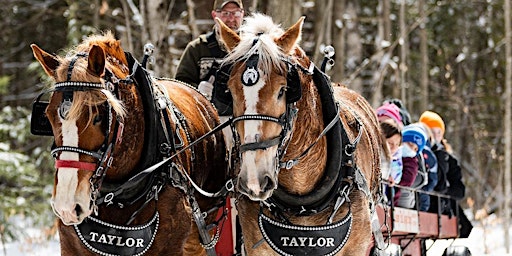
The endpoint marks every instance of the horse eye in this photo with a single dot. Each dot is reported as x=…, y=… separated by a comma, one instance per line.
x=281, y=92
x=97, y=119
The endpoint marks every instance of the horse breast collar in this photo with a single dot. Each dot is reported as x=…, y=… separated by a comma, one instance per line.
x=109, y=239
x=287, y=239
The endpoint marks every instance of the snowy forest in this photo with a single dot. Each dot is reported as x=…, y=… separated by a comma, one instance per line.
x=449, y=56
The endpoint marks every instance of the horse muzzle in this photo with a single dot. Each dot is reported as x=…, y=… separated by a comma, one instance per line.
x=72, y=215
x=257, y=179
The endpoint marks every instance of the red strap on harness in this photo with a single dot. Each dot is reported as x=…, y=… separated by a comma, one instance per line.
x=75, y=164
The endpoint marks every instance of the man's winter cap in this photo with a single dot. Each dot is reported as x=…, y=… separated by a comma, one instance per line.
x=219, y=4
x=414, y=134
x=433, y=120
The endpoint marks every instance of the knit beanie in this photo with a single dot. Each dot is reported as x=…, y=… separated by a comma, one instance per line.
x=404, y=114
x=390, y=110
x=433, y=120
x=414, y=134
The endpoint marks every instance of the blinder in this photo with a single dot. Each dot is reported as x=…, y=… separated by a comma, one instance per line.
x=39, y=123
x=293, y=88
x=222, y=98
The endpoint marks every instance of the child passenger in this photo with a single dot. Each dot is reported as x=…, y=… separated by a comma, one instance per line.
x=414, y=139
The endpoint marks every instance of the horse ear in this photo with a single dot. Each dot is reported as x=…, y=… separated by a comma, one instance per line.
x=96, y=61
x=47, y=61
x=292, y=36
x=230, y=37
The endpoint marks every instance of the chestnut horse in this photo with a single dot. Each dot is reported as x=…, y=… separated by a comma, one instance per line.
x=113, y=127
x=310, y=155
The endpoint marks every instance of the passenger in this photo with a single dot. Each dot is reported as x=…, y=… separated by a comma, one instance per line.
x=390, y=111
x=430, y=170
x=201, y=57
x=414, y=140
x=404, y=114
x=391, y=124
x=449, y=174
x=393, y=137
x=448, y=171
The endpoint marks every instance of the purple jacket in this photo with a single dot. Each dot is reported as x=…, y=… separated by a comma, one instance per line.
x=409, y=172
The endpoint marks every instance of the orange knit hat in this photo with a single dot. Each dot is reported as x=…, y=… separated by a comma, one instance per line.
x=432, y=120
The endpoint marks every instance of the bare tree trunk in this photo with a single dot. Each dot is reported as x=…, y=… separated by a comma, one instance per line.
x=285, y=13
x=403, y=54
x=323, y=13
x=96, y=14
x=354, y=49
x=128, y=24
x=383, y=40
x=319, y=27
x=338, y=31
x=157, y=16
x=424, y=58
x=508, y=122
x=192, y=18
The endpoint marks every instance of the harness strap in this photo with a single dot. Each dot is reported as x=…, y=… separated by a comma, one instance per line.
x=260, y=145
x=96, y=155
x=134, y=181
x=75, y=164
x=292, y=162
x=72, y=64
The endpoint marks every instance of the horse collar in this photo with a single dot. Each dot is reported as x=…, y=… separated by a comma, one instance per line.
x=340, y=170
x=108, y=239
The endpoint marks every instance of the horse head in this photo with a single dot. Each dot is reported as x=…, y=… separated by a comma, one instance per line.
x=264, y=84
x=87, y=120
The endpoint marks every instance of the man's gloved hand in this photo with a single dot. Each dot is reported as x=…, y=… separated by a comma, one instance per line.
x=206, y=87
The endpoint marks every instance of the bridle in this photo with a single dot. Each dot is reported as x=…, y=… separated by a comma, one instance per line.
x=113, y=132
x=286, y=120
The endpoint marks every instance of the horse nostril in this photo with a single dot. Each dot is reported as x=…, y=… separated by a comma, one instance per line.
x=268, y=184
x=241, y=184
x=78, y=210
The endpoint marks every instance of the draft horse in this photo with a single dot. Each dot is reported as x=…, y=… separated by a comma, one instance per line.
x=113, y=126
x=309, y=154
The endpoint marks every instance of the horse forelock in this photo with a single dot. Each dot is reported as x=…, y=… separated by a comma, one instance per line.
x=92, y=99
x=114, y=58
x=257, y=36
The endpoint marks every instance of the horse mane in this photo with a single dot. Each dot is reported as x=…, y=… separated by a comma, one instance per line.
x=257, y=36
x=115, y=61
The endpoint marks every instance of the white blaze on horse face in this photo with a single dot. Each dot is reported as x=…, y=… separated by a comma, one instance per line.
x=256, y=164
x=65, y=199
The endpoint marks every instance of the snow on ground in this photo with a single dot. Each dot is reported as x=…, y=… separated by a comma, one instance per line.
x=485, y=240
x=34, y=244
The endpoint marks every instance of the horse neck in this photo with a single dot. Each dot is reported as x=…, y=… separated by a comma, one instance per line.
x=128, y=152
x=303, y=177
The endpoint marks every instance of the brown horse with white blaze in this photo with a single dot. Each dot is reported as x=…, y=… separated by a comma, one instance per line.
x=112, y=124
x=310, y=155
